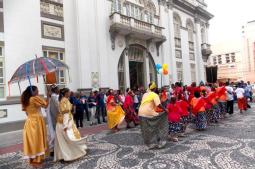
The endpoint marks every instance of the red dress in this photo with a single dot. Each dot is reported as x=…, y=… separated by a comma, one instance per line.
x=198, y=105
x=129, y=110
x=183, y=105
x=174, y=114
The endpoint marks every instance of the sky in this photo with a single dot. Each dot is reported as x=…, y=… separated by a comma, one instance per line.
x=229, y=17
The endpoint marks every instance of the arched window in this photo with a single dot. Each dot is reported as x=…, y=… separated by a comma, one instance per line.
x=177, y=26
x=190, y=29
x=177, y=35
x=150, y=11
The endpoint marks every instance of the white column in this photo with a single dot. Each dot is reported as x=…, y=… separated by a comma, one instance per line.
x=207, y=33
x=126, y=63
x=185, y=57
x=165, y=53
x=199, y=61
x=172, y=58
x=147, y=69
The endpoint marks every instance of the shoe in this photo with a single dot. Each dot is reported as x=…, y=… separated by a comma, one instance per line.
x=152, y=146
x=181, y=135
x=128, y=127
x=173, y=138
x=52, y=154
x=161, y=144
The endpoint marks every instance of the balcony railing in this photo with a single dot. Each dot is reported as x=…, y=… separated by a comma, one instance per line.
x=119, y=21
x=129, y=26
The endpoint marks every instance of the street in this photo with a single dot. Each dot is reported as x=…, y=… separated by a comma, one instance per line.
x=230, y=144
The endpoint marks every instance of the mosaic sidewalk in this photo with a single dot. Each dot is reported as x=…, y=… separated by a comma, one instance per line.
x=230, y=144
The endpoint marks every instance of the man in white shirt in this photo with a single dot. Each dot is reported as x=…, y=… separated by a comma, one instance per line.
x=240, y=98
x=230, y=98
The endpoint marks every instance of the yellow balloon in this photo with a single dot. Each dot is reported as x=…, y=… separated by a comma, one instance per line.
x=165, y=66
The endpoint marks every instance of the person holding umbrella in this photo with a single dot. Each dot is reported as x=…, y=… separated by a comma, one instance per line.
x=34, y=132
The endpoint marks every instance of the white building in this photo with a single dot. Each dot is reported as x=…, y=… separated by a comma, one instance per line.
x=106, y=43
x=229, y=63
x=248, y=51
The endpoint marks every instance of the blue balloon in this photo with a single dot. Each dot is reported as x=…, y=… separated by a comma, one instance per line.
x=158, y=66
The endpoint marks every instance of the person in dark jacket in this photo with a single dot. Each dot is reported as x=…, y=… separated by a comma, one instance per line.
x=84, y=100
x=79, y=111
x=100, y=110
x=92, y=107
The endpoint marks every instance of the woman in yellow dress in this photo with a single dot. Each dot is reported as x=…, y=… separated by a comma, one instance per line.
x=115, y=114
x=34, y=133
x=69, y=145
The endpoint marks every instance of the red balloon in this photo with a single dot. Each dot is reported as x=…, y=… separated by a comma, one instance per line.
x=165, y=72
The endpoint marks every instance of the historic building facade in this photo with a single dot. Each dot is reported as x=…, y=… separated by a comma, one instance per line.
x=229, y=65
x=248, y=51
x=106, y=43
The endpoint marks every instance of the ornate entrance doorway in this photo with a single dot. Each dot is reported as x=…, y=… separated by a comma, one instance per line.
x=136, y=68
x=136, y=74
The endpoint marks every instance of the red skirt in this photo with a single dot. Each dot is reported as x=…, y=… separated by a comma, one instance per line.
x=242, y=105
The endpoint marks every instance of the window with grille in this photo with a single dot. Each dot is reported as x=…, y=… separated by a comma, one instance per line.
x=116, y=6
x=177, y=35
x=177, y=42
x=193, y=72
x=191, y=56
x=227, y=59
x=233, y=57
x=60, y=74
x=179, y=71
x=215, y=61
x=178, y=54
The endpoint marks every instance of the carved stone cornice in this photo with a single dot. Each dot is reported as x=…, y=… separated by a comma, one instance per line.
x=170, y=4
x=192, y=10
x=207, y=25
x=197, y=19
x=162, y=2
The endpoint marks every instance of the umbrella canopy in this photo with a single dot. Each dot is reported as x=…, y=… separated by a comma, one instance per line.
x=35, y=67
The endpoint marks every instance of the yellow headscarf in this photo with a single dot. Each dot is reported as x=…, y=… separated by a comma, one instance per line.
x=153, y=85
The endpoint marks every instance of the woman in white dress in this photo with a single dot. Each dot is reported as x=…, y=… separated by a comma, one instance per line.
x=69, y=145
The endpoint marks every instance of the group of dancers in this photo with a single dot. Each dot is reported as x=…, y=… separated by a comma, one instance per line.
x=163, y=114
